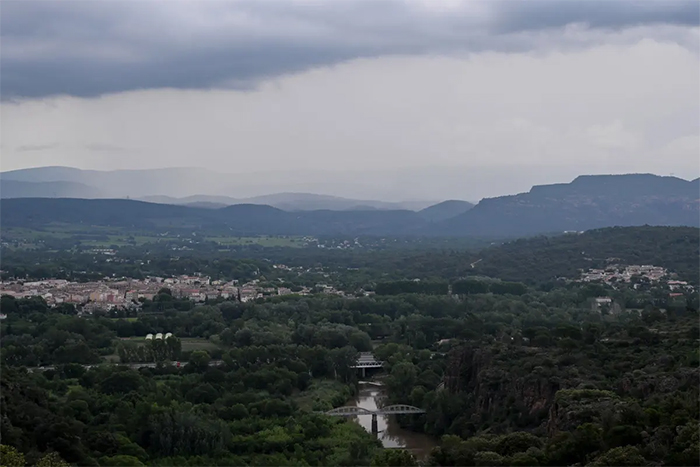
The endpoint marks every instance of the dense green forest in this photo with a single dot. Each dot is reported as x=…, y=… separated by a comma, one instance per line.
x=532, y=379
x=511, y=369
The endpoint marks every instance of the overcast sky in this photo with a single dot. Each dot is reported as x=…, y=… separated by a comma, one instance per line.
x=552, y=88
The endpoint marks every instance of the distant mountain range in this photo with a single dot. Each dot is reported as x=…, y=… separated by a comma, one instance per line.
x=53, y=189
x=588, y=202
x=158, y=185
x=445, y=210
x=291, y=202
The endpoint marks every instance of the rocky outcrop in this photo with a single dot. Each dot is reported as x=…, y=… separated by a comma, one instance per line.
x=574, y=407
x=496, y=390
x=639, y=384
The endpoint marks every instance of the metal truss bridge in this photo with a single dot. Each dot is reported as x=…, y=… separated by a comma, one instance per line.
x=367, y=360
x=398, y=409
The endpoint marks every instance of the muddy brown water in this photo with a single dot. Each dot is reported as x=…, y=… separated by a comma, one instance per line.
x=390, y=433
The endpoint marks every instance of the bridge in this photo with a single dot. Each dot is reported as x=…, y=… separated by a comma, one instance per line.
x=367, y=360
x=398, y=409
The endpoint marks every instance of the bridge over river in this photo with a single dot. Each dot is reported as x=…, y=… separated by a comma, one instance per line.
x=353, y=411
x=367, y=360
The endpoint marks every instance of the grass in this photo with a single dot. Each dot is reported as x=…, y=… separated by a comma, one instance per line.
x=195, y=343
x=188, y=343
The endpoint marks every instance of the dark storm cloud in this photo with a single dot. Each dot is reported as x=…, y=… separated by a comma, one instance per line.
x=89, y=48
x=515, y=16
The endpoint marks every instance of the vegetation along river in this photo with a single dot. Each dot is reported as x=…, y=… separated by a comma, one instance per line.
x=390, y=433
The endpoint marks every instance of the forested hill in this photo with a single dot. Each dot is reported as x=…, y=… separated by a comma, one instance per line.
x=543, y=259
x=546, y=258
x=589, y=202
x=239, y=219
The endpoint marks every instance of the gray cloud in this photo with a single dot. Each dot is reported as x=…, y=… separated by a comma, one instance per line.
x=87, y=49
x=36, y=147
x=101, y=147
x=539, y=14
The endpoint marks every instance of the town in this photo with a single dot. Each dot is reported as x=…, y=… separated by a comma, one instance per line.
x=633, y=274
x=125, y=293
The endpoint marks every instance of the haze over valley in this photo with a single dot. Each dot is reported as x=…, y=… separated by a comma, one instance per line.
x=350, y=233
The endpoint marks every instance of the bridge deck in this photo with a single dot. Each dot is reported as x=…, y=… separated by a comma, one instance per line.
x=351, y=411
x=367, y=360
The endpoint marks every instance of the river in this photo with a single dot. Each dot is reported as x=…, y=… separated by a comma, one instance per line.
x=390, y=433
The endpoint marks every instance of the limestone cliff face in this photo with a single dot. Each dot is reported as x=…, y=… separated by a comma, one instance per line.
x=497, y=390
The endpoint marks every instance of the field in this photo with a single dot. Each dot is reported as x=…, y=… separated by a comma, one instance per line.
x=189, y=344
x=96, y=237
x=194, y=343
x=264, y=241
x=106, y=237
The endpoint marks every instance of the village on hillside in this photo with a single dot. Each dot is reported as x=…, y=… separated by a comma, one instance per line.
x=634, y=274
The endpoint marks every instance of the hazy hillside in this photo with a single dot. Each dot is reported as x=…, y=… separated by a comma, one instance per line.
x=312, y=202
x=45, y=174
x=546, y=258
x=130, y=183
x=588, y=202
x=445, y=210
x=20, y=189
x=287, y=202
x=192, y=185
x=233, y=220
x=168, y=185
x=191, y=200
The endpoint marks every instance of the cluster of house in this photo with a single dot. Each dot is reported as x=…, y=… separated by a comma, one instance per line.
x=619, y=273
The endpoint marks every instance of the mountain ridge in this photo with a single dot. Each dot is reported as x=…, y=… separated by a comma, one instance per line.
x=27, y=183
x=445, y=210
x=590, y=203
x=22, y=189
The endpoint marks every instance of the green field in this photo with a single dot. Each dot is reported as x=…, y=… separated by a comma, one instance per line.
x=96, y=237
x=106, y=237
x=188, y=343
x=194, y=343
x=264, y=241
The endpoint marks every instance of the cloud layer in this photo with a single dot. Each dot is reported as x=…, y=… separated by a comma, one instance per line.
x=464, y=128
x=91, y=48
